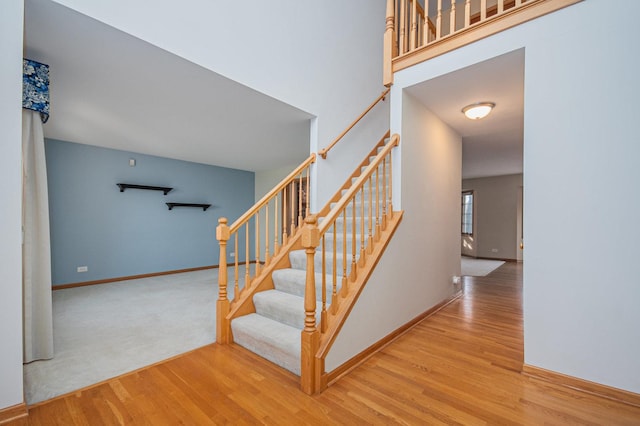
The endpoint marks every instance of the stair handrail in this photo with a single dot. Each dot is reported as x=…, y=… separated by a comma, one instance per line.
x=284, y=195
x=324, y=151
x=316, y=341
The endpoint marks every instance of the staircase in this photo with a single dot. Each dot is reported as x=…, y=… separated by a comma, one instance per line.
x=296, y=275
x=273, y=331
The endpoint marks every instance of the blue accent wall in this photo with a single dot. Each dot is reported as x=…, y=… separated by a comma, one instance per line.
x=117, y=234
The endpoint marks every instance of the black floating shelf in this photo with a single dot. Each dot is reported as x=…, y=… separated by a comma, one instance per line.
x=124, y=186
x=203, y=206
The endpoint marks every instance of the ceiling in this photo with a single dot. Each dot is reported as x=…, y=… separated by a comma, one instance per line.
x=113, y=90
x=494, y=145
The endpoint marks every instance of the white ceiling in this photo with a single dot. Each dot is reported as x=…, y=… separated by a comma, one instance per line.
x=113, y=90
x=491, y=146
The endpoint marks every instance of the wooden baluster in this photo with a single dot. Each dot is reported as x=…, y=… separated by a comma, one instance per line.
x=384, y=193
x=291, y=192
x=310, y=334
x=306, y=207
x=467, y=13
x=390, y=45
x=354, y=228
x=390, y=206
x=334, y=272
x=257, y=243
x=426, y=30
x=223, y=325
x=247, y=268
x=300, y=200
x=361, y=260
x=370, y=235
x=403, y=29
x=323, y=314
x=276, y=248
x=500, y=6
x=236, y=284
x=284, y=216
x=439, y=21
x=518, y=3
x=377, y=234
x=344, y=253
x=414, y=25
x=452, y=18
x=483, y=10
x=267, y=242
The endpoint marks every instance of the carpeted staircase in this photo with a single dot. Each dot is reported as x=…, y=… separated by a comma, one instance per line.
x=273, y=331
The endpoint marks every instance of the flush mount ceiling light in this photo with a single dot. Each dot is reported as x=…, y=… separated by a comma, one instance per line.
x=478, y=110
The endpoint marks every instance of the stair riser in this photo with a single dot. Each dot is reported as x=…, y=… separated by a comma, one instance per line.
x=299, y=261
x=296, y=286
x=291, y=315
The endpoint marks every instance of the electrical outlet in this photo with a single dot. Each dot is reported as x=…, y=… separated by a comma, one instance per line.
x=232, y=255
x=83, y=268
x=494, y=250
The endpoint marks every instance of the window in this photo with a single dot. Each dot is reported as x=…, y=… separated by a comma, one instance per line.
x=467, y=212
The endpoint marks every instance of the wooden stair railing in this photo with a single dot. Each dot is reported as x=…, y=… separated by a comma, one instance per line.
x=371, y=220
x=411, y=36
x=324, y=151
x=274, y=222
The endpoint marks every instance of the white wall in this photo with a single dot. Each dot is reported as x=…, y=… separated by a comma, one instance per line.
x=324, y=57
x=495, y=216
x=580, y=284
x=416, y=270
x=11, y=25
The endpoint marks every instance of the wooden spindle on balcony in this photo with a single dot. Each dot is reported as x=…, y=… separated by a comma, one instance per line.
x=483, y=10
x=223, y=332
x=425, y=29
x=439, y=21
x=310, y=333
x=467, y=13
x=500, y=6
x=452, y=18
x=414, y=24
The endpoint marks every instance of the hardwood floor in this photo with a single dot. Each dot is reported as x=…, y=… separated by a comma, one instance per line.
x=459, y=366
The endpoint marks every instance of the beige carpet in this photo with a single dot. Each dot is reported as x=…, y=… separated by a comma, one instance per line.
x=478, y=267
x=105, y=330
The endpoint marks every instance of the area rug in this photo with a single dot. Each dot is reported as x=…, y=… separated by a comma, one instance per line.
x=478, y=267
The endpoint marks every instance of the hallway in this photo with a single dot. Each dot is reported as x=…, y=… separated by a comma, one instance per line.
x=459, y=366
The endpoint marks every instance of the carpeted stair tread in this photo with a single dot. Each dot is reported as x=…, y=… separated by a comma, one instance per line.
x=293, y=281
x=277, y=342
x=283, y=307
x=298, y=260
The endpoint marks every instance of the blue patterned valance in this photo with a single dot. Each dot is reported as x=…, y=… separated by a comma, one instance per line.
x=35, y=87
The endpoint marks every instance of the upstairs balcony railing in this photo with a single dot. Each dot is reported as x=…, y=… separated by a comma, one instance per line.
x=418, y=30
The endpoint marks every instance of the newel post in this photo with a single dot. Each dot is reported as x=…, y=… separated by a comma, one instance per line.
x=310, y=334
x=389, y=44
x=223, y=332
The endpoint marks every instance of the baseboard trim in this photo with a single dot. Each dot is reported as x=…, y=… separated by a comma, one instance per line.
x=12, y=413
x=582, y=385
x=135, y=277
x=360, y=358
x=503, y=259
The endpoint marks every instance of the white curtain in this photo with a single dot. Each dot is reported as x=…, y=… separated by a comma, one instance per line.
x=36, y=250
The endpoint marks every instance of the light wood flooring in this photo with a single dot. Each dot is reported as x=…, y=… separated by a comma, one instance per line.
x=460, y=366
